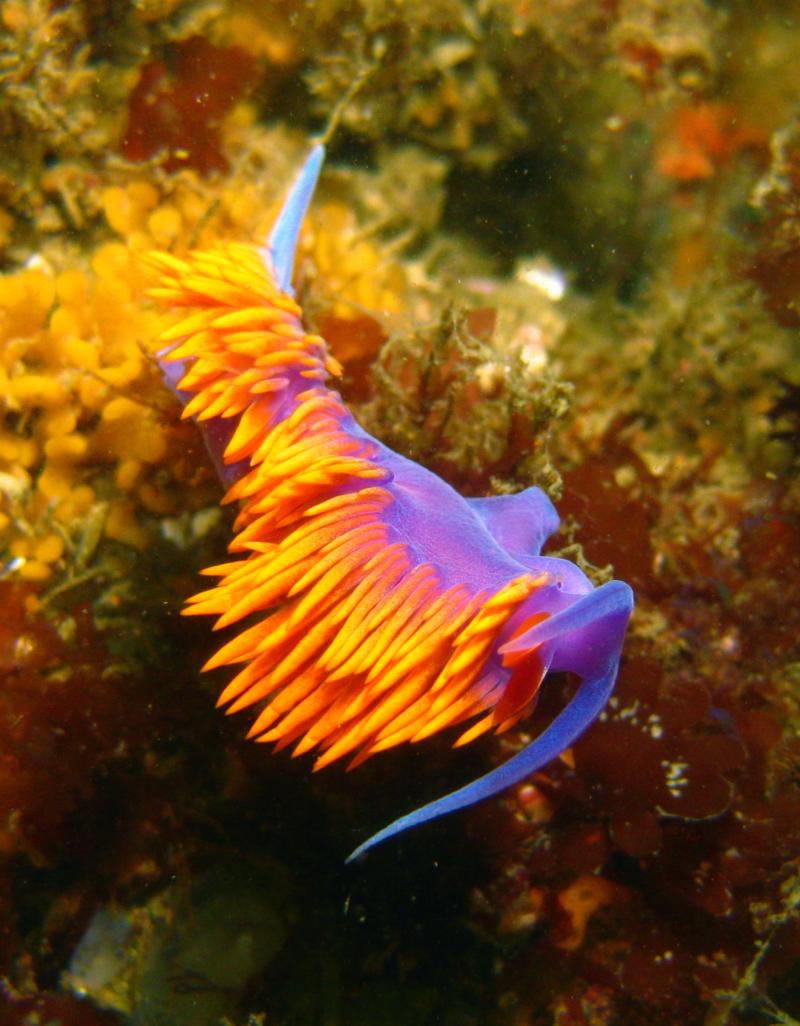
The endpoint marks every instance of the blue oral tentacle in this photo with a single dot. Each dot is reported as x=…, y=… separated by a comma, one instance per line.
x=586, y=705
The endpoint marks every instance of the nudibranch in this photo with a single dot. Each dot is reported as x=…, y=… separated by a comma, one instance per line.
x=381, y=605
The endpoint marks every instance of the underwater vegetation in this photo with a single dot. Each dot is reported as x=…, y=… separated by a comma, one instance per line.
x=555, y=245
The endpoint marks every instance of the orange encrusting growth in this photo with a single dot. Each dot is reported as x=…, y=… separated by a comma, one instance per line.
x=359, y=646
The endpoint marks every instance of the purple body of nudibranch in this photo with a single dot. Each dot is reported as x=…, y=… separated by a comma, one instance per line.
x=484, y=544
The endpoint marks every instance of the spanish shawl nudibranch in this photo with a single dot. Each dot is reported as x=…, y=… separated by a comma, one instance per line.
x=389, y=607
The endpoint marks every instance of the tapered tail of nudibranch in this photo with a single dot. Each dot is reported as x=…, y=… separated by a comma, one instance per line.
x=382, y=607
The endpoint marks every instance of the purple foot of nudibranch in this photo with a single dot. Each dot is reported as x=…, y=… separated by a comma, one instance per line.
x=585, y=638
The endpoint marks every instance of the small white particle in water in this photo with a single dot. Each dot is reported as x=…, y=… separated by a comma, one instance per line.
x=38, y=263
x=532, y=350
x=729, y=643
x=675, y=779
x=11, y=566
x=629, y=713
x=543, y=276
x=490, y=376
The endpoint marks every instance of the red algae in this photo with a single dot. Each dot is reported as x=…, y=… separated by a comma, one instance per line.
x=176, y=110
x=702, y=139
x=602, y=506
x=60, y=720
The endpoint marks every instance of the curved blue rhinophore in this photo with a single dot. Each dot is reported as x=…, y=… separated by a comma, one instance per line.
x=602, y=613
x=520, y=523
x=282, y=242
